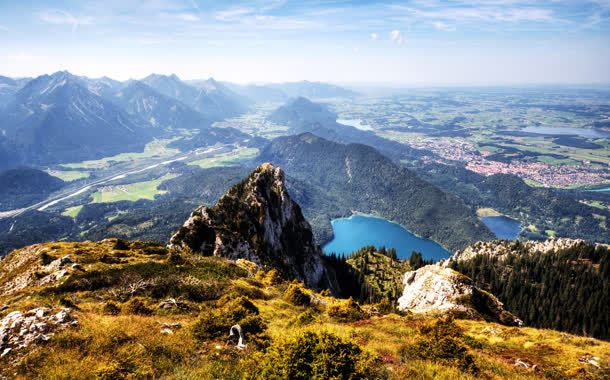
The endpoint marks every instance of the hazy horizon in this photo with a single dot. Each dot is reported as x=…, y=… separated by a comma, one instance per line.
x=409, y=43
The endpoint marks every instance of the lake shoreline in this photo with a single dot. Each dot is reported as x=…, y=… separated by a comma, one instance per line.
x=355, y=231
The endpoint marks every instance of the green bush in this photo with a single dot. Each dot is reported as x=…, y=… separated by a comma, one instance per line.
x=111, y=308
x=296, y=296
x=442, y=342
x=215, y=323
x=305, y=318
x=46, y=259
x=121, y=245
x=175, y=258
x=346, y=311
x=314, y=356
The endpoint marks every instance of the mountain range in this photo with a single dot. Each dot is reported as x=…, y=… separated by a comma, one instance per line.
x=63, y=118
x=210, y=98
x=281, y=92
x=54, y=118
x=141, y=100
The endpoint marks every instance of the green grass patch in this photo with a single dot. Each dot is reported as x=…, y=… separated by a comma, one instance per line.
x=130, y=192
x=155, y=148
x=69, y=175
x=227, y=159
x=72, y=211
x=486, y=211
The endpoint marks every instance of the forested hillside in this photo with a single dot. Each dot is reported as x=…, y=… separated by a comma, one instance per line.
x=564, y=289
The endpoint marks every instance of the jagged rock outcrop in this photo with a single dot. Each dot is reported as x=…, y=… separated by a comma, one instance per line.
x=500, y=248
x=26, y=268
x=436, y=289
x=19, y=330
x=257, y=220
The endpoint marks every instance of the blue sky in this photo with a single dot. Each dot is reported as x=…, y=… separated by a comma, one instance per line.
x=481, y=42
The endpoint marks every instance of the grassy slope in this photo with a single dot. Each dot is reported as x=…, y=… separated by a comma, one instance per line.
x=156, y=148
x=226, y=159
x=132, y=191
x=69, y=175
x=128, y=344
x=72, y=211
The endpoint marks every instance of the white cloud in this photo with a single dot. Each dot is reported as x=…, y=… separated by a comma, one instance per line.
x=482, y=12
x=443, y=26
x=397, y=37
x=356, y=50
x=185, y=16
x=233, y=14
x=64, y=18
x=374, y=36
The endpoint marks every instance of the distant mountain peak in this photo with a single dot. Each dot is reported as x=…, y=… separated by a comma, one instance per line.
x=63, y=74
x=257, y=220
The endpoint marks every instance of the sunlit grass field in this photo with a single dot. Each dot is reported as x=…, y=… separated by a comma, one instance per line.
x=131, y=191
x=156, y=148
x=69, y=175
x=227, y=159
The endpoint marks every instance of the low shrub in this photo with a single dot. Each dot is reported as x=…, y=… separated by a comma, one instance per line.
x=269, y=278
x=46, y=259
x=313, y=356
x=345, y=311
x=303, y=319
x=296, y=296
x=111, y=308
x=120, y=245
x=215, y=323
x=175, y=258
x=246, y=289
x=137, y=306
x=442, y=341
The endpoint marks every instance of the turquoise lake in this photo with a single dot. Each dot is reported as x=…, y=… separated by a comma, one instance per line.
x=502, y=226
x=357, y=231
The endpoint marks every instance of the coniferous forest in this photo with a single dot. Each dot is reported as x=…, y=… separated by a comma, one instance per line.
x=567, y=291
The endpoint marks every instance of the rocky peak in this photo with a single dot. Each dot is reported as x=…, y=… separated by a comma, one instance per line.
x=258, y=221
x=437, y=289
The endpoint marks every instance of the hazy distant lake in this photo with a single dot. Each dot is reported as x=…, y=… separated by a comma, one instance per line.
x=502, y=226
x=602, y=189
x=358, y=230
x=583, y=132
x=356, y=123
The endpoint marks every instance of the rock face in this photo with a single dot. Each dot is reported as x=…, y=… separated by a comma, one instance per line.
x=436, y=289
x=257, y=220
x=19, y=330
x=24, y=268
x=500, y=248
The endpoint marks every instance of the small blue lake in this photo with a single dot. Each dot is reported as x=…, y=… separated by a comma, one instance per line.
x=602, y=189
x=358, y=231
x=502, y=226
